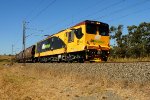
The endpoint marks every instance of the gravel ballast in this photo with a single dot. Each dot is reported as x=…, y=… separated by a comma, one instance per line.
x=132, y=72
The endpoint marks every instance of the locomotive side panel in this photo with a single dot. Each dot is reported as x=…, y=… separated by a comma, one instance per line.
x=50, y=46
x=75, y=39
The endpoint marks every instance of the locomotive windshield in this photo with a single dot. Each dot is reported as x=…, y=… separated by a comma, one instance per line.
x=102, y=29
x=91, y=28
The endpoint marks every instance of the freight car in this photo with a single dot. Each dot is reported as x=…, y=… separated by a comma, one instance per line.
x=86, y=41
x=19, y=57
x=29, y=55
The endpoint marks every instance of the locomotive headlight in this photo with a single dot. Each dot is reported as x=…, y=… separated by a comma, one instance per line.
x=87, y=50
x=98, y=23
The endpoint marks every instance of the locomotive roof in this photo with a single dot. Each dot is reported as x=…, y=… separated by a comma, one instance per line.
x=81, y=23
x=89, y=21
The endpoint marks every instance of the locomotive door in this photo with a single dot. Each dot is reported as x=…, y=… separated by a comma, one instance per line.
x=71, y=46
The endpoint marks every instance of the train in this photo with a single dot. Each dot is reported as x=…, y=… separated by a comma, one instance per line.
x=86, y=41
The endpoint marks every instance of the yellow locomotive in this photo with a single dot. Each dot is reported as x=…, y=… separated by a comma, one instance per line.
x=86, y=41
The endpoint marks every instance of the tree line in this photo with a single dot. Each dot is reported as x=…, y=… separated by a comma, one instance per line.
x=135, y=43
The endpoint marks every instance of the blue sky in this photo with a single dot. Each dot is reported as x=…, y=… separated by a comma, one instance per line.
x=52, y=16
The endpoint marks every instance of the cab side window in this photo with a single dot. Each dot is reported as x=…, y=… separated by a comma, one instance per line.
x=71, y=36
x=78, y=33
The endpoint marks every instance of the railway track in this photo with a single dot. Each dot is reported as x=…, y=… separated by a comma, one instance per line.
x=90, y=62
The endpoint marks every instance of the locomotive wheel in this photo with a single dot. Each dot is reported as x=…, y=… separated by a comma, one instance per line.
x=104, y=58
x=81, y=60
x=70, y=61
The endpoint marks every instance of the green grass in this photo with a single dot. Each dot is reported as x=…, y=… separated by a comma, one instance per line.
x=4, y=60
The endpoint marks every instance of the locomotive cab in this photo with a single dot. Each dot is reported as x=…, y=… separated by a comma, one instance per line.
x=97, y=41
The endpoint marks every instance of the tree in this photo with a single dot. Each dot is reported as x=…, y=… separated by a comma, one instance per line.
x=139, y=37
x=116, y=34
x=136, y=43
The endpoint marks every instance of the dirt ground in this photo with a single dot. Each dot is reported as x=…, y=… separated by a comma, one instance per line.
x=61, y=81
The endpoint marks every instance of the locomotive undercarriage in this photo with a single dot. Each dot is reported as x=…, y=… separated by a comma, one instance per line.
x=91, y=55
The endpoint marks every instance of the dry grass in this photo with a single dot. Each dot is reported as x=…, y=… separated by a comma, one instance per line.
x=5, y=59
x=129, y=81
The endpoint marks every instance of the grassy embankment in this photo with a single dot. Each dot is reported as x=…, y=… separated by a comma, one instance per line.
x=5, y=59
x=88, y=81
